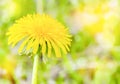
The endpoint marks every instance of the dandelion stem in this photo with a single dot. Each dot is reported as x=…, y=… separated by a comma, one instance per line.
x=35, y=69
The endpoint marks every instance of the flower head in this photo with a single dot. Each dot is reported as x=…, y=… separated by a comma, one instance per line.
x=36, y=31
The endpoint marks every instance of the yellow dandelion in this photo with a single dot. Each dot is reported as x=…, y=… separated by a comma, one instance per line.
x=34, y=31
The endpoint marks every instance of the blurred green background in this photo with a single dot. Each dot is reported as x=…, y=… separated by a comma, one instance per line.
x=95, y=52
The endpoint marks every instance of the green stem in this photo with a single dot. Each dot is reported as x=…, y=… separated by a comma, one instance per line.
x=35, y=69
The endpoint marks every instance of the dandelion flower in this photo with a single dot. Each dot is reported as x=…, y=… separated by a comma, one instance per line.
x=34, y=31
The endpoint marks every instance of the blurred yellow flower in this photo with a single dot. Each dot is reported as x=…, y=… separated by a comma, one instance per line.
x=40, y=31
x=7, y=67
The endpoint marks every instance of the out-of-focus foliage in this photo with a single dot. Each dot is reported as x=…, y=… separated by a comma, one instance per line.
x=24, y=7
x=117, y=35
x=95, y=51
x=80, y=42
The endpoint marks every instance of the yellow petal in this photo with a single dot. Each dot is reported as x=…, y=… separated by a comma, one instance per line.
x=56, y=48
x=49, y=47
x=30, y=44
x=43, y=47
x=61, y=46
x=35, y=46
x=23, y=44
x=17, y=39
